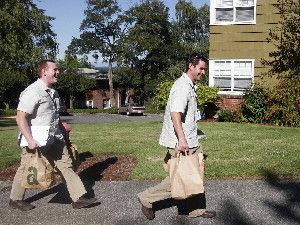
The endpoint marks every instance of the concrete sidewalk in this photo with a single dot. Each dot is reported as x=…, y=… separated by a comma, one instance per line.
x=237, y=202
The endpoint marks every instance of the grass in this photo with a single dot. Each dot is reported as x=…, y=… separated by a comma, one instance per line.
x=233, y=150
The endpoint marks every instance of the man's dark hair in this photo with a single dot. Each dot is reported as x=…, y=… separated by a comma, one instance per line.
x=43, y=64
x=194, y=59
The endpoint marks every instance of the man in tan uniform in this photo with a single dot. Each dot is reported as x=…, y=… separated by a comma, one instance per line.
x=179, y=133
x=39, y=106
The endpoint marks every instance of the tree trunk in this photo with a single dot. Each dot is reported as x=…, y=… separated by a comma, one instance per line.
x=111, y=86
x=6, y=105
x=72, y=102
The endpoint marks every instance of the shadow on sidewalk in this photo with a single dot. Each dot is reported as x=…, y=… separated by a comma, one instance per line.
x=291, y=190
x=234, y=214
x=88, y=177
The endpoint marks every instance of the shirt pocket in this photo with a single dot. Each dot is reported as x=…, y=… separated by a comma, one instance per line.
x=46, y=103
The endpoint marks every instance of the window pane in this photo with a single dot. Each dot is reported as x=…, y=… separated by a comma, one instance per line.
x=224, y=3
x=244, y=14
x=242, y=68
x=224, y=15
x=222, y=68
x=245, y=2
x=223, y=83
x=241, y=84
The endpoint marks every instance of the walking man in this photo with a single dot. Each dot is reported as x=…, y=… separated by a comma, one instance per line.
x=39, y=106
x=179, y=133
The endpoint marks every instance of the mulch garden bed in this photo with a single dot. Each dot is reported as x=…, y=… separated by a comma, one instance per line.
x=95, y=168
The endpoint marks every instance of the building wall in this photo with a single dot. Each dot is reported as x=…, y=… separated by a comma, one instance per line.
x=246, y=41
x=99, y=96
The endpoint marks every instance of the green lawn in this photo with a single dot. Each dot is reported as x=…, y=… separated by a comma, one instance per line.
x=233, y=150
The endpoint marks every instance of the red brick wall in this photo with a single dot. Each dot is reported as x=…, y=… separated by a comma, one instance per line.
x=230, y=102
x=97, y=96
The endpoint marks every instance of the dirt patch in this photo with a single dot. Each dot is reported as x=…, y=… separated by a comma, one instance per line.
x=95, y=168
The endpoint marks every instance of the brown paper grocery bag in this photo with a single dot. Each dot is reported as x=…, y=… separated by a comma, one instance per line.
x=186, y=175
x=38, y=172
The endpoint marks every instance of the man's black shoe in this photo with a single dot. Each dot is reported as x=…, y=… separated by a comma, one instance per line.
x=21, y=205
x=83, y=202
x=148, y=212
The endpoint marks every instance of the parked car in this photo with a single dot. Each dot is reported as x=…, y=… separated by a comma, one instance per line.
x=130, y=109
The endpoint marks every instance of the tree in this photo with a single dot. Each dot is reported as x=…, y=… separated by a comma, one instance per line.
x=284, y=102
x=101, y=30
x=25, y=38
x=11, y=84
x=191, y=27
x=145, y=44
x=71, y=83
x=72, y=62
x=285, y=59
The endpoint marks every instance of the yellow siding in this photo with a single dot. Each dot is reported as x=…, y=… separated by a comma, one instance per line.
x=245, y=41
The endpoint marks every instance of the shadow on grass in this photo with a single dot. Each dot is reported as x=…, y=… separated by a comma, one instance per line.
x=7, y=122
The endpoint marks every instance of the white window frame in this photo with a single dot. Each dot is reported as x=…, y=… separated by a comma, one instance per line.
x=89, y=103
x=212, y=74
x=214, y=5
x=106, y=103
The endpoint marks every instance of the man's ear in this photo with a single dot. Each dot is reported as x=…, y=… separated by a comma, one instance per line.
x=191, y=65
x=44, y=72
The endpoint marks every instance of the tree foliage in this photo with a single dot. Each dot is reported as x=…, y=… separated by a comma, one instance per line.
x=101, y=31
x=205, y=95
x=285, y=60
x=71, y=62
x=284, y=100
x=74, y=85
x=255, y=104
x=191, y=27
x=71, y=83
x=145, y=43
x=284, y=103
x=25, y=38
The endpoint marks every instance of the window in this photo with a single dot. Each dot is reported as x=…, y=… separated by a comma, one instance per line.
x=233, y=76
x=90, y=104
x=106, y=104
x=232, y=11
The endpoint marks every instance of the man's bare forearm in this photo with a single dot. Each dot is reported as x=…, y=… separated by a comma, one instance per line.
x=177, y=123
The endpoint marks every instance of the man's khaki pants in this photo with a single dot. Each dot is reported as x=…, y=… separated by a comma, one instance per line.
x=196, y=205
x=57, y=155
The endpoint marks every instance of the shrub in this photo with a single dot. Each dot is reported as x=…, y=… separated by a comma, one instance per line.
x=206, y=99
x=226, y=115
x=112, y=110
x=151, y=107
x=283, y=104
x=161, y=95
x=255, y=104
x=8, y=112
x=205, y=95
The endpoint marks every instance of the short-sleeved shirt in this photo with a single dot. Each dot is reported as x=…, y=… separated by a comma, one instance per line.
x=42, y=105
x=183, y=99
